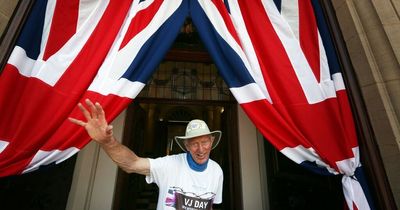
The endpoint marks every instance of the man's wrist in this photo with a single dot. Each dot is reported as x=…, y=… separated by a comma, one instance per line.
x=108, y=142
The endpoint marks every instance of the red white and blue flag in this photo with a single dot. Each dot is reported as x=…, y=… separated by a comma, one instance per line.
x=275, y=55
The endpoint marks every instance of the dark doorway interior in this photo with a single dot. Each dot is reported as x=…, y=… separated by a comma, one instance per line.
x=44, y=189
x=149, y=131
x=292, y=187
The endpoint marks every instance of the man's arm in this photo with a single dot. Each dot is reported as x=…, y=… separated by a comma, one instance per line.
x=99, y=130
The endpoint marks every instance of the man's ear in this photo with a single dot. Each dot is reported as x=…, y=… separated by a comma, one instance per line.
x=212, y=137
x=185, y=143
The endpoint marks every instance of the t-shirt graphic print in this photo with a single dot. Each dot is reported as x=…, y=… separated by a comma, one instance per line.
x=181, y=200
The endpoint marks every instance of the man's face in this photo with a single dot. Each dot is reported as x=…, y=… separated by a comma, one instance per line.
x=200, y=148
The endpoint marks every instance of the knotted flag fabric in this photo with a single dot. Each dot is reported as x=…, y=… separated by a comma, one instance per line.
x=275, y=55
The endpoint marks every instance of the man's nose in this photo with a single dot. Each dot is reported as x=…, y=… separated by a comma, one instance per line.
x=201, y=148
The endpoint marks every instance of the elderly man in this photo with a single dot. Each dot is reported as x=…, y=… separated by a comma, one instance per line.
x=188, y=180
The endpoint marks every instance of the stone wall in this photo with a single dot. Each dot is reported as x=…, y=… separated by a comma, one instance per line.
x=6, y=10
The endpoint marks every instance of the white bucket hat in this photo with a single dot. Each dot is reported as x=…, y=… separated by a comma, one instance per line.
x=197, y=128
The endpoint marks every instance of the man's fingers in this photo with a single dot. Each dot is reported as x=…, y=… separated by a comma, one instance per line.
x=78, y=122
x=100, y=111
x=85, y=112
x=92, y=108
x=94, y=115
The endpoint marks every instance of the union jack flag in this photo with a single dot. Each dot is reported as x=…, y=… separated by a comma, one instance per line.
x=275, y=55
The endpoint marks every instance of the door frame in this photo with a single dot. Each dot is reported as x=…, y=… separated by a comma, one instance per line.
x=234, y=171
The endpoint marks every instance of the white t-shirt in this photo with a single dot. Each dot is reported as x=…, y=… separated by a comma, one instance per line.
x=180, y=187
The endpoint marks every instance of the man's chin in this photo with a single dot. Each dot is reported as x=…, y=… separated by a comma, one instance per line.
x=201, y=161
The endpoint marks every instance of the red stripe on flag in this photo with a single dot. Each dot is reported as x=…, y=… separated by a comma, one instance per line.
x=86, y=65
x=227, y=19
x=273, y=126
x=278, y=73
x=141, y=21
x=63, y=26
x=308, y=32
x=321, y=124
x=355, y=206
x=347, y=118
x=9, y=100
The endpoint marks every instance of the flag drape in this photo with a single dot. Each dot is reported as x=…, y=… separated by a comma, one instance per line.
x=276, y=56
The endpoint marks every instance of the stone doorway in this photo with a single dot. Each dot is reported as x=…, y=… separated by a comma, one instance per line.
x=149, y=130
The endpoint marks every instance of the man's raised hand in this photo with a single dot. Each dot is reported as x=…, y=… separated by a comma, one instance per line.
x=96, y=124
